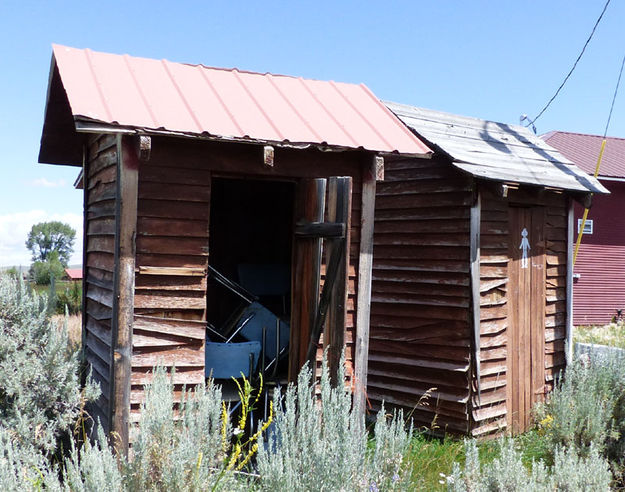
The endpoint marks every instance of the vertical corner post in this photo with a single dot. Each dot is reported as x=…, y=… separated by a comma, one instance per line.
x=373, y=170
x=124, y=285
x=475, y=222
x=568, y=346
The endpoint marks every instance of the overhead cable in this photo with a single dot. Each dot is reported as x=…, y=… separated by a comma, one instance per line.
x=618, y=82
x=603, y=144
x=572, y=68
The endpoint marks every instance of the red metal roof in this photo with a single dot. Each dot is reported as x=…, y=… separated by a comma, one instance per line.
x=74, y=273
x=583, y=150
x=159, y=95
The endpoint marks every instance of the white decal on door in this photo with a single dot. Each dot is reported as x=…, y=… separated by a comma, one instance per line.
x=524, y=247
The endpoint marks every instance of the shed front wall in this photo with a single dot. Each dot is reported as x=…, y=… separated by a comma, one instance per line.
x=420, y=307
x=490, y=410
x=172, y=244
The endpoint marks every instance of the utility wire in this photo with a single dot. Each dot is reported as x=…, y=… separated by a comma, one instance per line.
x=573, y=68
x=603, y=144
x=618, y=82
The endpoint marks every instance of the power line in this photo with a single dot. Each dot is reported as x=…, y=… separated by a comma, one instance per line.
x=618, y=82
x=573, y=68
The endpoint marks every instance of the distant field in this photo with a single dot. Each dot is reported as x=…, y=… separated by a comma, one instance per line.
x=59, y=286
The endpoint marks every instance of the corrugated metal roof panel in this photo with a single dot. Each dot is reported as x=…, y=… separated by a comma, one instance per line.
x=156, y=95
x=496, y=151
x=583, y=149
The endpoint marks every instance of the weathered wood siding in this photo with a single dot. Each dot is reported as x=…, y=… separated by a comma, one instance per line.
x=489, y=412
x=556, y=301
x=420, y=310
x=172, y=244
x=171, y=264
x=100, y=204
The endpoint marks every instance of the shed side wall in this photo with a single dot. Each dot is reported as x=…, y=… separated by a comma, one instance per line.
x=100, y=189
x=420, y=309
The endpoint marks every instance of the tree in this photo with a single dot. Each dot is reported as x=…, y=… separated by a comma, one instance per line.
x=46, y=237
x=42, y=272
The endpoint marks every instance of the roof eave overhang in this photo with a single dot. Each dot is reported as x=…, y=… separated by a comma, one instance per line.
x=87, y=125
x=593, y=186
x=60, y=142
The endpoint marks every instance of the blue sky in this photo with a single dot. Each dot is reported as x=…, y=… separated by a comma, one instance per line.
x=492, y=60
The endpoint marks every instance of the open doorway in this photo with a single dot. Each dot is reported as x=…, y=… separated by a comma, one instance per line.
x=249, y=282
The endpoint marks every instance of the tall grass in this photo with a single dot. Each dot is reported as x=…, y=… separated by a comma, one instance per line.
x=612, y=334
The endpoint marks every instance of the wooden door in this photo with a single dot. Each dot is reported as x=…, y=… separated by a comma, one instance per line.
x=312, y=304
x=526, y=314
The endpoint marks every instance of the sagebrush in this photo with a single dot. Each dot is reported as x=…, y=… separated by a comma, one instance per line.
x=40, y=391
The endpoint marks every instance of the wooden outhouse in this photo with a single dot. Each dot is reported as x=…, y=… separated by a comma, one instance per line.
x=189, y=170
x=471, y=297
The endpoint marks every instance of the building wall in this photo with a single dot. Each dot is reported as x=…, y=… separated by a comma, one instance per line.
x=100, y=205
x=600, y=289
x=489, y=412
x=170, y=280
x=172, y=245
x=420, y=309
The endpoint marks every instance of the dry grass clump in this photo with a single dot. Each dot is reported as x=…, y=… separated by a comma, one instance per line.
x=74, y=328
x=612, y=334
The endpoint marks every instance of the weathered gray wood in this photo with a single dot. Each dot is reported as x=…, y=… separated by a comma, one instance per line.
x=496, y=151
x=365, y=269
x=475, y=286
x=123, y=315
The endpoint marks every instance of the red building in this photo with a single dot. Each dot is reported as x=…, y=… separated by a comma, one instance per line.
x=599, y=272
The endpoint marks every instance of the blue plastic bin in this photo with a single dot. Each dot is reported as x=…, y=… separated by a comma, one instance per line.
x=254, y=317
x=228, y=360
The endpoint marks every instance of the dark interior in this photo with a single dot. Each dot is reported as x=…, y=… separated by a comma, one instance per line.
x=250, y=236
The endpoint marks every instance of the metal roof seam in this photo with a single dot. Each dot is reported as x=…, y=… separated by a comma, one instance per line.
x=97, y=84
x=220, y=99
x=181, y=94
x=141, y=94
x=258, y=105
x=328, y=112
x=293, y=108
x=367, y=122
